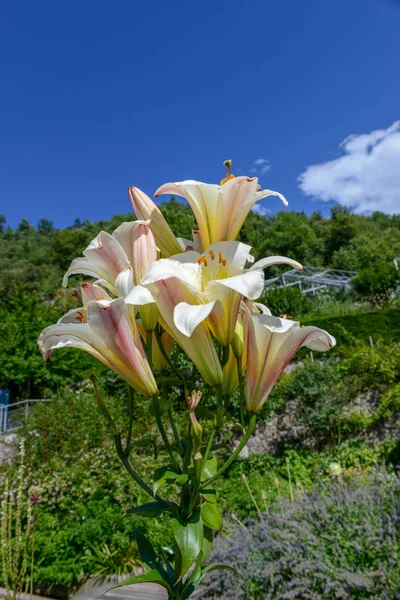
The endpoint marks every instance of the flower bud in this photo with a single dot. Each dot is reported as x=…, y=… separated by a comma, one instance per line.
x=197, y=435
x=144, y=250
x=194, y=400
x=238, y=338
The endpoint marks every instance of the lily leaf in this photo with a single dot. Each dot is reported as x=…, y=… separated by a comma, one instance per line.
x=147, y=554
x=150, y=509
x=164, y=475
x=143, y=443
x=210, y=468
x=164, y=404
x=151, y=576
x=188, y=535
x=208, y=542
x=210, y=568
x=210, y=512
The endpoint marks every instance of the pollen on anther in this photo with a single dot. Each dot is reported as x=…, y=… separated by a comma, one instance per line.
x=202, y=260
x=212, y=254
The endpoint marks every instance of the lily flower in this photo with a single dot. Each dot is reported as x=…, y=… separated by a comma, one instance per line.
x=104, y=330
x=145, y=209
x=119, y=262
x=199, y=347
x=216, y=281
x=220, y=210
x=271, y=344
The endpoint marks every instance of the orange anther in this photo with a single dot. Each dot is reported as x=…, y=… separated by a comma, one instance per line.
x=202, y=261
x=212, y=254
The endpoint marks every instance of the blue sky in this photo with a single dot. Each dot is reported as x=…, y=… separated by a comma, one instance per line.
x=98, y=95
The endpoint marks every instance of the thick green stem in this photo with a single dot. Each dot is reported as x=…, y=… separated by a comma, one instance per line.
x=135, y=476
x=165, y=355
x=163, y=433
x=130, y=426
x=197, y=463
x=208, y=448
x=218, y=395
x=149, y=346
x=237, y=450
x=241, y=388
x=175, y=430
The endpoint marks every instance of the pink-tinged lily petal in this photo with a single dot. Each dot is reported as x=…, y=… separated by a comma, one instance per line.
x=107, y=334
x=140, y=296
x=188, y=316
x=199, y=347
x=145, y=209
x=104, y=258
x=206, y=203
x=137, y=240
x=92, y=291
x=276, y=260
x=265, y=193
x=239, y=198
x=166, y=268
x=271, y=344
x=124, y=282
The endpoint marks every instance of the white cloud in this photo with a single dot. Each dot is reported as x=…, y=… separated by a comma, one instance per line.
x=366, y=177
x=259, y=209
x=261, y=166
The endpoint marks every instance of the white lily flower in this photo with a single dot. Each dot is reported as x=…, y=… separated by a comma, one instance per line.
x=216, y=280
x=104, y=329
x=271, y=344
x=145, y=209
x=220, y=210
x=119, y=261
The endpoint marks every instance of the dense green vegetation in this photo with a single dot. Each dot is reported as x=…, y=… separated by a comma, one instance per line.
x=69, y=451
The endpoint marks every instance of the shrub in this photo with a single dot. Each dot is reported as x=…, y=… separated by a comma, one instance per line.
x=341, y=542
x=377, y=285
x=288, y=301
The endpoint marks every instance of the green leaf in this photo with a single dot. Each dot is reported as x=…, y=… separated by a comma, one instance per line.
x=143, y=443
x=152, y=576
x=150, y=509
x=181, y=479
x=164, y=404
x=190, y=583
x=208, y=543
x=164, y=475
x=210, y=512
x=210, y=568
x=188, y=535
x=147, y=552
x=210, y=468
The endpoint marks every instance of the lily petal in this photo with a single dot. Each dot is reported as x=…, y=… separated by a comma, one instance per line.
x=107, y=335
x=276, y=260
x=250, y=285
x=188, y=316
x=92, y=291
x=167, y=268
x=144, y=208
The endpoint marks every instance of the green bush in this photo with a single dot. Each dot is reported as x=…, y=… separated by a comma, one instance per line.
x=377, y=285
x=288, y=301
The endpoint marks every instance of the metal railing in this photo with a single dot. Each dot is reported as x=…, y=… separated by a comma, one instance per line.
x=312, y=279
x=12, y=415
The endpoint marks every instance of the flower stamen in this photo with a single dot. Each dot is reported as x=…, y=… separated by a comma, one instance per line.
x=212, y=254
x=203, y=261
x=229, y=175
